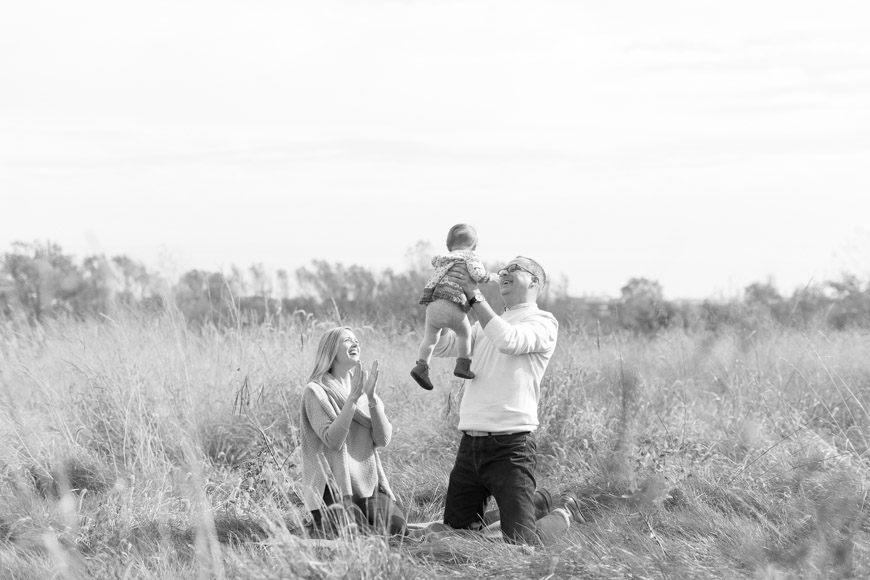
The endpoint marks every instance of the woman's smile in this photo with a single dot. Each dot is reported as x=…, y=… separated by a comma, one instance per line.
x=349, y=349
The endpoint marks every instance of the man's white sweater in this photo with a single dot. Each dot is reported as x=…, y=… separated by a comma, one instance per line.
x=509, y=358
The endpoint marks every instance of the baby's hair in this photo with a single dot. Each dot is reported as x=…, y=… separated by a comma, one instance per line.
x=461, y=235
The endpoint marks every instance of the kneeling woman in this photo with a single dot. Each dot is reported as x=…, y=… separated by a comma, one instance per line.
x=343, y=423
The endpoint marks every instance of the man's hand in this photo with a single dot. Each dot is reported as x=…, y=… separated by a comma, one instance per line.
x=458, y=273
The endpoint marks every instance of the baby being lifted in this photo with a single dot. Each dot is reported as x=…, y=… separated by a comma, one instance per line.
x=446, y=304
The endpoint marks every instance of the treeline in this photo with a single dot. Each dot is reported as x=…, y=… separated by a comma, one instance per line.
x=39, y=280
x=642, y=309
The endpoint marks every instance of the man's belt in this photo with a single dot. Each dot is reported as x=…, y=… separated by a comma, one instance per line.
x=472, y=433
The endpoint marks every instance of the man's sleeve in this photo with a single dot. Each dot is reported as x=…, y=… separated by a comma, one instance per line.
x=446, y=345
x=534, y=334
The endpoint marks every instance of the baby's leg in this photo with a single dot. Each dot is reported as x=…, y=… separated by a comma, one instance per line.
x=437, y=318
x=462, y=327
x=430, y=338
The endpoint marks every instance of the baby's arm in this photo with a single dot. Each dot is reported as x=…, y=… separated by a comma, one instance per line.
x=478, y=273
x=438, y=261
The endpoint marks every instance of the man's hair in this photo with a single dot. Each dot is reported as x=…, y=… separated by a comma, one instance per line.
x=538, y=270
x=461, y=235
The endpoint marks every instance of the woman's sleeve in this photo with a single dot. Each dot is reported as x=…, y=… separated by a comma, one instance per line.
x=323, y=418
x=382, y=429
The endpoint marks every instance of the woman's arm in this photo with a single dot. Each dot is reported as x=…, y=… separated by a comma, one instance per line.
x=382, y=429
x=331, y=428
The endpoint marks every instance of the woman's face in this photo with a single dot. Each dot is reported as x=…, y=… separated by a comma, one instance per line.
x=348, y=349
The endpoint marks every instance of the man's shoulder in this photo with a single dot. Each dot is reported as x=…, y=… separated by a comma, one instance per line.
x=532, y=315
x=548, y=316
x=530, y=310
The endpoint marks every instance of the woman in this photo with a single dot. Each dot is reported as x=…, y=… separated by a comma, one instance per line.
x=342, y=425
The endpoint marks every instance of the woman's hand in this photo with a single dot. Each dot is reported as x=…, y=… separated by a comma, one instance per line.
x=364, y=382
x=371, y=382
x=357, y=384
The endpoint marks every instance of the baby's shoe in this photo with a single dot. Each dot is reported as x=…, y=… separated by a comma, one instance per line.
x=463, y=368
x=420, y=373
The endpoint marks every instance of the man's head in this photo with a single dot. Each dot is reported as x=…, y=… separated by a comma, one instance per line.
x=521, y=280
x=462, y=237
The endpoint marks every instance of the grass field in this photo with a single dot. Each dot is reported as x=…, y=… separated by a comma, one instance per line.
x=132, y=447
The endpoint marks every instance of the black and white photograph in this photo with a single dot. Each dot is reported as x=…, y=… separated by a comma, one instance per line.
x=400, y=289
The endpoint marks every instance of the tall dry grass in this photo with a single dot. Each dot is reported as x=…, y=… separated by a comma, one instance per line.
x=133, y=447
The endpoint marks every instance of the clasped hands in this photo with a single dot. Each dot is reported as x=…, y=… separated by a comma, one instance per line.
x=364, y=382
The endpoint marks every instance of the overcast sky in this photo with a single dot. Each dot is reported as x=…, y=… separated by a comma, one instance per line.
x=704, y=145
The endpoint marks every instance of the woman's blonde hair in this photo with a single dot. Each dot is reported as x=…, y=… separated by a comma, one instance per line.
x=327, y=350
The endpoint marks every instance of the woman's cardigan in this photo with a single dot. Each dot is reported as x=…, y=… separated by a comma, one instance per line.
x=342, y=456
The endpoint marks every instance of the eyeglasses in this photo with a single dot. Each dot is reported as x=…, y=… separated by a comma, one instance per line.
x=513, y=268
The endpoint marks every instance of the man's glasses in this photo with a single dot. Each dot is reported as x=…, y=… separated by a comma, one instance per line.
x=513, y=268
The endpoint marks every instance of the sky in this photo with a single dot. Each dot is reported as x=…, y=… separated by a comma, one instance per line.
x=703, y=145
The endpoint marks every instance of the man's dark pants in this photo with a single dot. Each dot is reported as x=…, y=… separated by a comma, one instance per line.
x=501, y=466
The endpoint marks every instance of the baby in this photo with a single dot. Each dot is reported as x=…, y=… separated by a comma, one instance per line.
x=446, y=304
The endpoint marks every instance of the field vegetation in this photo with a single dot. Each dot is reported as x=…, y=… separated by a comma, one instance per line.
x=139, y=446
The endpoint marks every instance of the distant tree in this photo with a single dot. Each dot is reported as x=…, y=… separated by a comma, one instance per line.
x=283, y=284
x=42, y=279
x=762, y=293
x=262, y=283
x=204, y=297
x=641, y=307
x=351, y=287
x=237, y=282
x=641, y=289
x=764, y=300
x=98, y=288
x=851, y=302
x=132, y=278
x=399, y=296
x=809, y=306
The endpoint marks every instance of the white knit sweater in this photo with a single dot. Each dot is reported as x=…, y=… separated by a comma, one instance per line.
x=344, y=456
x=509, y=358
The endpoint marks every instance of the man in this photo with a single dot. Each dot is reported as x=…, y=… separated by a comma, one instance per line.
x=499, y=410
